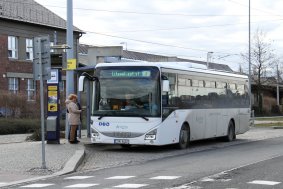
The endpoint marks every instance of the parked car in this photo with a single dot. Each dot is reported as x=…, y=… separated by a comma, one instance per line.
x=5, y=112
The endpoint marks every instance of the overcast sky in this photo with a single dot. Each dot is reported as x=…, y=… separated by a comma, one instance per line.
x=183, y=28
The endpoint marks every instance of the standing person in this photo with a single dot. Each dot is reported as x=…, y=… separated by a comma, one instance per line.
x=74, y=114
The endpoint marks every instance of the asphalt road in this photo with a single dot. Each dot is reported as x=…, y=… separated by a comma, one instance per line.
x=193, y=169
x=264, y=174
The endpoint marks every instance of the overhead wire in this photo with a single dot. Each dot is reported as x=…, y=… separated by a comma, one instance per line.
x=162, y=14
x=195, y=27
x=148, y=42
x=261, y=10
x=156, y=43
x=149, y=13
x=200, y=58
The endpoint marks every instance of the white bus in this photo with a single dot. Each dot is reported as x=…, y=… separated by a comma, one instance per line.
x=161, y=103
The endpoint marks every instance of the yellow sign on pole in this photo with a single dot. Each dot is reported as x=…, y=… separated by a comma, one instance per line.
x=52, y=88
x=52, y=100
x=71, y=64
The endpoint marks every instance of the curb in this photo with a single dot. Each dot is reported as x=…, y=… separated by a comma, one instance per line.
x=277, y=127
x=72, y=164
x=70, y=167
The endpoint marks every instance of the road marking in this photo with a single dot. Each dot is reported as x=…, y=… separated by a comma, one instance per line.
x=264, y=182
x=36, y=185
x=206, y=179
x=121, y=177
x=81, y=185
x=186, y=187
x=165, y=177
x=78, y=177
x=130, y=185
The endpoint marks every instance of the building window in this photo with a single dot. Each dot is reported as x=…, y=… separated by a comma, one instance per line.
x=29, y=49
x=13, y=85
x=31, y=89
x=12, y=47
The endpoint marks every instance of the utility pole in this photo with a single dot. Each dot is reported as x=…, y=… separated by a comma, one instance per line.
x=70, y=55
x=250, y=79
x=278, y=86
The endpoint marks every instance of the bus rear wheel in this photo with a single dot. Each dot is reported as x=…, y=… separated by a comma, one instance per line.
x=230, y=133
x=184, y=137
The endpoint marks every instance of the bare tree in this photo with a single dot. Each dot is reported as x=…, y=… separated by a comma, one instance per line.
x=263, y=63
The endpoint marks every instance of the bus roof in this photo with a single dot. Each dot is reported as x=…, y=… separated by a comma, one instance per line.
x=185, y=66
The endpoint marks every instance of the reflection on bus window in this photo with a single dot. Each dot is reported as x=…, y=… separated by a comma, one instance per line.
x=129, y=95
x=208, y=93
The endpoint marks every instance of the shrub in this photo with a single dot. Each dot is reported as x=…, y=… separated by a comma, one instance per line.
x=256, y=110
x=18, y=126
x=18, y=106
x=275, y=109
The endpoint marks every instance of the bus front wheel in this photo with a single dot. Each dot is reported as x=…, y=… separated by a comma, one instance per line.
x=230, y=133
x=184, y=137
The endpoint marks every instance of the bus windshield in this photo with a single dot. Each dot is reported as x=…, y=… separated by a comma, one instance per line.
x=128, y=91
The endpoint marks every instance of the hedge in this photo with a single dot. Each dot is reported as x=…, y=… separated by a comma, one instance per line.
x=22, y=126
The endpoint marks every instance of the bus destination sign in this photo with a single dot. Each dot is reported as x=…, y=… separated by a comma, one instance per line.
x=125, y=73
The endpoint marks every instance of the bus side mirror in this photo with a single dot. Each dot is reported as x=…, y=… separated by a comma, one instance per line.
x=81, y=83
x=165, y=86
x=81, y=80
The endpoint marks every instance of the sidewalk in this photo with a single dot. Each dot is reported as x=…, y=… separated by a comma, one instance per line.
x=22, y=160
x=277, y=124
x=267, y=122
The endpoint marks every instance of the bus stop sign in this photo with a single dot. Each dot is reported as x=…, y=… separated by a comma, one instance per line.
x=41, y=49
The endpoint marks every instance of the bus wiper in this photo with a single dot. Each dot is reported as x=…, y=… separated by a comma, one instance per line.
x=145, y=118
x=133, y=114
x=100, y=117
x=105, y=114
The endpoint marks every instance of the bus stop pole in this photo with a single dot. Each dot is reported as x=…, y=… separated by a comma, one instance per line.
x=41, y=105
x=70, y=55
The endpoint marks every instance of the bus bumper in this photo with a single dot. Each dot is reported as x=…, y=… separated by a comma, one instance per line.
x=131, y=141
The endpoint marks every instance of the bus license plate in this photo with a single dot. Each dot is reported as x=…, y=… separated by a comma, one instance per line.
x=121, y=141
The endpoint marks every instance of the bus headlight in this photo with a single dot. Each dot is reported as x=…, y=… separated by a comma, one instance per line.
x=94, y=133
x=151, y=135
